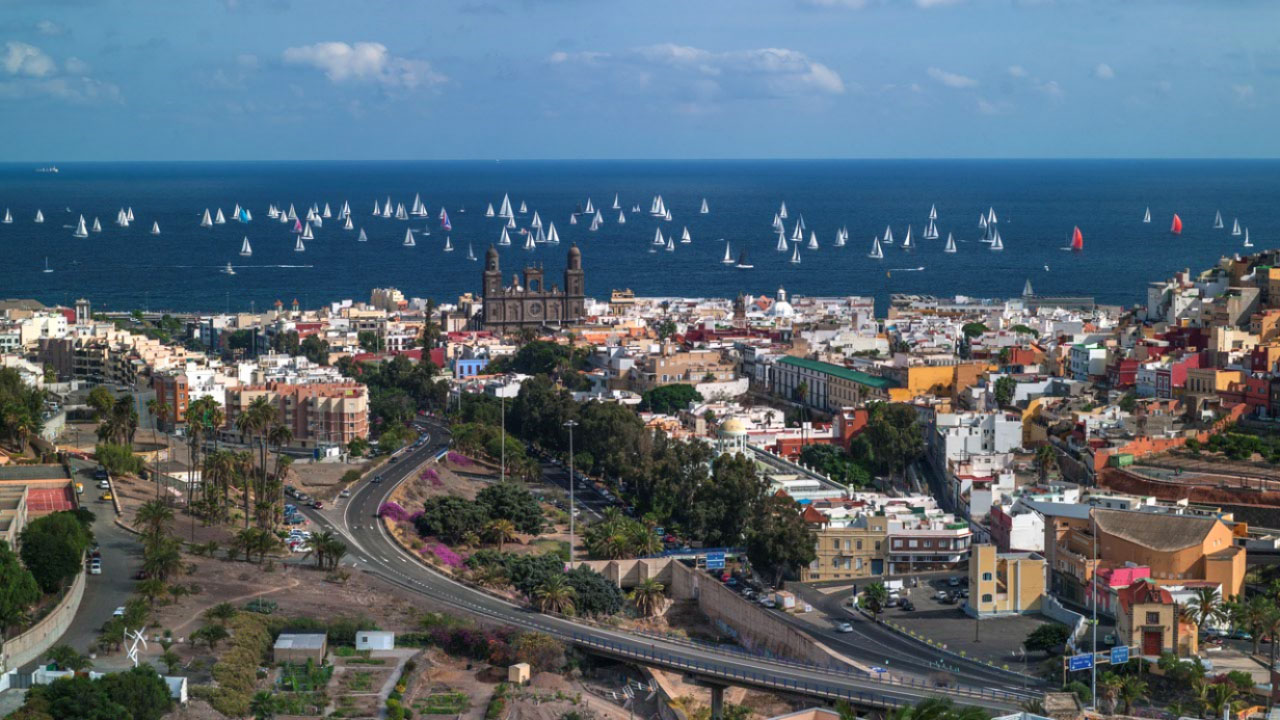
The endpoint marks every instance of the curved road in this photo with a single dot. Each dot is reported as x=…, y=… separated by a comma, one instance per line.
x=372, y=549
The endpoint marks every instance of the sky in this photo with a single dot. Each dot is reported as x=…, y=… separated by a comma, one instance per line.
x=600, y=79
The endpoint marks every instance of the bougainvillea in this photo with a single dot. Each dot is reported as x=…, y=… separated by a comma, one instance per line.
x=394, y=511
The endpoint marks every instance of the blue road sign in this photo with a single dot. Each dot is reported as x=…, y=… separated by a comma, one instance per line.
x=1081, y=662
x=715, y=561
x=1119, y=654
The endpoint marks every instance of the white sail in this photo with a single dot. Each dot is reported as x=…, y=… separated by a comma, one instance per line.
x=47, y=269
x=155, y=227
x=317, y=221
x=377, y=209
x=704, y=209
x=536, y=222
x=488, y=212
x=622, y=218
x=933, y=212
x=782, y=242
x=685, y=237
x=667, y=216
x=1217, y=220
x=813, y=241
x=505, y=239
x=996, y=242
x=797, y=235
x=400, y=213
x=299, y=246
x=8, y=217
x=448, y=244
x=573, y=219
x=1235, y=227
x=876, y=252
x=293, y=214
x=982, y=221
x=284, y=218
x=228, y=270
x=220, y=219
x=991, y=216
x=81, y=230
x=348, y=225
x=206, y=221
x=795, y=255
x=505, y=210
x=245, y=248
x=363, y=237
x=671, y=244
x=1246, y=238
x=326, y=212
x=346, y=209
x=888, y=235
x=97, y=226
x=408, y=238
x=1146, y=216
x=511, y=222
x=782, y=213
x=524, y=209
x=553, y=238
x=595, y=223
x=471, y=255
x=906, y=242
x=540, y=237
x=840, y=237
x=387, y=210
x=951, y=244
x=129, y=214
x=930, y=231
x=777, y=222
x=616, y=206
x=528, y=242
x=728, y=256
x=657, y=237
x=306, y=233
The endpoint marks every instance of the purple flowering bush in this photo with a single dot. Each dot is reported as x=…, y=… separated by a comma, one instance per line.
x=393, y=511
x=447, y=556
x=459, y=459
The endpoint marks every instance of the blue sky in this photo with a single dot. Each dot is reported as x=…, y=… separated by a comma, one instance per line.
x=428, y=79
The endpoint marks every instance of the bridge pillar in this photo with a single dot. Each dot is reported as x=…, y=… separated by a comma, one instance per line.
x=717, y=702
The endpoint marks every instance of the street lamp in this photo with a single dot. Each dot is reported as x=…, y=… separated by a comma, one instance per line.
x=571, y=424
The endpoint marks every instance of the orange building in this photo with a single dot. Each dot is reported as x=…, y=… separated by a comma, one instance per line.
x=317, y=414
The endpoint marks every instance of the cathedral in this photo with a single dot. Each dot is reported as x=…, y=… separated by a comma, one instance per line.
x=527, y=302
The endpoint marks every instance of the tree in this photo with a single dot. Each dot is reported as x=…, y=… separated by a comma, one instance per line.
x=52, y=549
x=973, y=329
x=263, y=705
x=835, y=463
x=892, y=439
x=555, y=595
x=141, y=690
x=100, y=400
x=152, y=589
x=1132, y=688
x=211, y=635
x=669, y=399
x=1005, y=388
x=874, y=598
x=779, y=539
x=450, y=518
x=647, y=597
x=1206, y=607
x=1047, y=638
x=68, y=658
x=512, y=501
x=152, y=517
x=18, y=590
x=368, y=340
x=593, y=593
x=1219, y=698
x=723, y=506
x=1046, y=459
x=543, y=652
x=499, y=532
x=222, y=612
x=77, y=697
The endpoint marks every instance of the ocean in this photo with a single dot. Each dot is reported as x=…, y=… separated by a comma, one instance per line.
x=1037, y=202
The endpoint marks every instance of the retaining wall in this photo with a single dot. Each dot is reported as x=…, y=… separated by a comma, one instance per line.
x=30, y=645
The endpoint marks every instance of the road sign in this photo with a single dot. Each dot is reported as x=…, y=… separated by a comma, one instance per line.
x=1081, y=662
x=715, y=561
x=1119, y=654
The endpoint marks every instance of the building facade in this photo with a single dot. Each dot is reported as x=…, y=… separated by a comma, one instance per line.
x=1004, y=583
x=320, y=414
x=527, y=302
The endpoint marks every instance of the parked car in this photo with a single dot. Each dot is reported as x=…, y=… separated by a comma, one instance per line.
x=953, y=581
x=119, y=612
x=95, y=567
x=907, y=606
x=317, y=504
x=106, y=497
x=344, y=493
x=104, y=484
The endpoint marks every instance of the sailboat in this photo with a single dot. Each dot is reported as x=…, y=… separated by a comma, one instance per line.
x=97, y=226
x=448, y=244
x=1235, y=227
x=1246, y=238
x=408, y=238
x=1217, y=220
x=782, y=242
x=813, y=241
x=400, y=213
x=298, y=245
x=704, y=209
x=505, y=210
x=777, y=222
x=888, y=235
x=996, y=243
x=488, y=212
x=293, y=212
x=348, y=225
x=933, y=212
x=728, y=256
x=742, y=263
x=616, y=205
x=505, y=240
x=524, y=209
x=1146, y=217
x=377, y=209
x=128, y=213
x=326, y=212
x=1176, y=227
x=444, y=220
x=528, y=242
x=991, y=216
x=228, y=270
x=877, y=253
x=782, y=212
x=951, y=245
x=596, y=221
x=306, y=233
x=363, y=237
x=795, y=255
x=840, y=237
x=346, y=209
x=81, y=230
x=155, y=227
x=906, y=242
x=1077, y=239
x=39, y=216
x=635, y=208
x=930, y=231
x=8, y=217
x=220, y=219
x=667, y=217
x=685, y=237
x=797, y=235
x=671, y=243
x=536, y=222
x=245, y=248
x=657, y=237
x=622, y=218
x=982, y=221
x=47, y=269
x=573, y=218
x=470, y=253
x=206, y=221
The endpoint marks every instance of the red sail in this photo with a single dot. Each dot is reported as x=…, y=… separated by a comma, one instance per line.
x=1077, y=240
x=1177, y=225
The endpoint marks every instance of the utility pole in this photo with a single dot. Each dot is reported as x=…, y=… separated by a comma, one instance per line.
x=1093, y=595
x=571, y=424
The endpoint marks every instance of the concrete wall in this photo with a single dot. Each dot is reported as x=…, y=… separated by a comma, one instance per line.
x=1054, y=610
x=30, y=645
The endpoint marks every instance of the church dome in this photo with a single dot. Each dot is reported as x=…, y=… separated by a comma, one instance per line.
x=733, y=427
x=782, y=308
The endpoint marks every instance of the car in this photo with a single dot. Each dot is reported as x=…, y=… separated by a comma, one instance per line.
x=731, y=582
x=391, y=460
x=941, y=596
x=104, y=484
x=119, y=612
x=344, y=493
x=317, y=504
x=376, y=479
x=953, y=582
x=294, y=520
x=844, y=627
x=907, y=606
x=1241, y=634
x=95, y=567
x=106, y=497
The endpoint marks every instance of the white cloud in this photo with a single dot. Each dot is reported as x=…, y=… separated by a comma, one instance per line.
x=1244, y=93
x=952, y=80
x=27, y=60
x=987, y=107
x=1050, y=88
x=1104, y=72
x=1017, y=71
x=49, y=27
x=708, y=75
x=936, y=3
x=76, y=66
x=342, y=62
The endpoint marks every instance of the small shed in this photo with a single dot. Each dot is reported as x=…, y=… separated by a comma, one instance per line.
x=300, y=647
x=518, y=674
x=375, y=640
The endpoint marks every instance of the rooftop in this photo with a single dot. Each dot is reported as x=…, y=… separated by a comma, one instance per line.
x=839, y=371
x=1157, y=531
x=300, y=641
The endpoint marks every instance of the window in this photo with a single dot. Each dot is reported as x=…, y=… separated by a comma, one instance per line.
x=858, y=564
x=859, y=544
x=835, y=544
x=986, y=597
x=1153, y=618
x=986, y=577
x=877, y=546
x=911, y=543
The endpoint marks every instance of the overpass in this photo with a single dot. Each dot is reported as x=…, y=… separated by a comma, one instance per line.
x=372, y=549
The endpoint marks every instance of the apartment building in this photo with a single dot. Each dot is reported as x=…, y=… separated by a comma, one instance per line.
x=689, y=367
x=827, y=387
x=846, y=551
x=320, y=414
x=1004, y=583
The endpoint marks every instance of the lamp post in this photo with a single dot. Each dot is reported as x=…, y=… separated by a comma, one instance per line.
x=571, y=424
x=502, y=395
x=1093, y=597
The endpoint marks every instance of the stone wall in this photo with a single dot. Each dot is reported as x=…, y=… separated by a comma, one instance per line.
x=30, y=645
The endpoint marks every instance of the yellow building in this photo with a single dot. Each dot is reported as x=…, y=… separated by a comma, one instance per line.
x=847, y=553
x=1004, y=583
x=1146, y=619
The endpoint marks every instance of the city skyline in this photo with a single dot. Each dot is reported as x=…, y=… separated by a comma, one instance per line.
x=272, y=80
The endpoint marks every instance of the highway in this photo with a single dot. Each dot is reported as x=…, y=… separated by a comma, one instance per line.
x=373, y=550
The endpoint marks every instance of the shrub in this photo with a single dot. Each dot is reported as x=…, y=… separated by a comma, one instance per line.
x=459, y=459
x=393, y=511
x=447, y=556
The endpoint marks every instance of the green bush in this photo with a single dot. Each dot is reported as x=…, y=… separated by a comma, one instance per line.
x=118, y=459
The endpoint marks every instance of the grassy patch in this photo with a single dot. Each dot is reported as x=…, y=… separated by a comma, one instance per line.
x=448, y=703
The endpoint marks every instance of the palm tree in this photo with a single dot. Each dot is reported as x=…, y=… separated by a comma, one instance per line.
x=1253, y=615
x=162, y=560
x=280, y=436
x=1206, y=606
x=152, y=589
x=1046, y=459
x=264, y=416
x=648, y=597
x=263, y=706
x=491, y=575
x=500, y=532
x=152, y=516
x=555, y=595
x=1132, y=688
x=1219, y=698
x=222, y=612
x=875, y=597
x=244, y=542
x=159, y=411
x=1109, y=688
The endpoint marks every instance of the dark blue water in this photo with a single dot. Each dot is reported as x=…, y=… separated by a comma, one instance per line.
x=1038, y=202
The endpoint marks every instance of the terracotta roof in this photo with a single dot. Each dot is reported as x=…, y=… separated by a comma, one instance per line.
x=1143, y=592
x=814, y=517
x=1156, y=531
